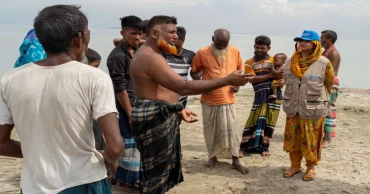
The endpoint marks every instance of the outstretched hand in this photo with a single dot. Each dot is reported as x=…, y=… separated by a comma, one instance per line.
x=237, y=78
x=186, y=115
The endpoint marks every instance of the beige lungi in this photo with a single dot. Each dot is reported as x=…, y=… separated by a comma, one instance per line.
x=220, y=130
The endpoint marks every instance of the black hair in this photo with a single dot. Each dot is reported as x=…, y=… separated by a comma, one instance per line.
x=330, y=34
x=281, y=55
x=160, y=19
x=131, y=22
x=56, y=26
x=92, y=55
x=143, y=25
x=181, y=32
x=262, y=40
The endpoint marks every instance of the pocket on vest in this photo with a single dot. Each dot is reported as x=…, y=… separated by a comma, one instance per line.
x=314, y=90
x=314, y=109
x=288, y=88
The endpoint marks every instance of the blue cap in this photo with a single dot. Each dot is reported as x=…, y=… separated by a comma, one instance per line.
x=308, y=35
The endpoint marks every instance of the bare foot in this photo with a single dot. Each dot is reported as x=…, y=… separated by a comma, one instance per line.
x=211, y=162
x=241, y=154
x=264, y=154
x=326, y=143
x=273, y=96
x=127, y=188
x=238, y=166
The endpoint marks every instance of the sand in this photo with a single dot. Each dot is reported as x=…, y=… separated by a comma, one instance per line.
x=344, y=167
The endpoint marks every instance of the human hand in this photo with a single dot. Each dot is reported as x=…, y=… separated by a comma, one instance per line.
x=111, y=167
x=281, y=73
x=279, y=83
x=234, y=89
x=237, y=78
x=186, y=115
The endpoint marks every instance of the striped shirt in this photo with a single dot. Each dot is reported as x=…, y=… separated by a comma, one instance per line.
x=181, y=65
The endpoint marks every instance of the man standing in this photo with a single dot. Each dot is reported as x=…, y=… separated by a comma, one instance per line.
x=180, y=62
x=119, y=62
x=156, y=112
x=328, y=39
x=218, y=107
x=63, y=96
x=143, y=35
x=264, y=114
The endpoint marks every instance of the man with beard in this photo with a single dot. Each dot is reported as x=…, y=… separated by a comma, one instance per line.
x=118, y=62
x=157, y=111
x=52, y=104
x=180, y=62
x=328, y=39
x=260, y=125
x=218, y=107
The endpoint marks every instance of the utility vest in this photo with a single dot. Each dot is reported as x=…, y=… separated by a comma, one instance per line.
x=307, y=96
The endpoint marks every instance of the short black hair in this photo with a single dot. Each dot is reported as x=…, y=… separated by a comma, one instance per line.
x=160, y=19
x=181, y=32
x=131, y=22
x=143, y=25
x=330, y=34
x=56, y=26
x=262, y=40
x=281, y=55
x=92, y=55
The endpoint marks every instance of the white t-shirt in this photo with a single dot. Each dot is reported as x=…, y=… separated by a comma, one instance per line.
x=52, y=109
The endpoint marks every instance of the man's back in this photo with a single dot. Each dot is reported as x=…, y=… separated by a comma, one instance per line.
x=52, y=109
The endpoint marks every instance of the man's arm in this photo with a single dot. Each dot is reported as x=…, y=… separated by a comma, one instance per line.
x=196, y=67
x=161, y=73
x=196, y=75
x=117, y=73
x=124, y=100
x=105, y=112
x=114, y=145
x=334, y=58
x=9, y=147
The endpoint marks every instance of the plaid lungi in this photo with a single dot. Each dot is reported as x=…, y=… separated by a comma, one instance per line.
x=154, y=126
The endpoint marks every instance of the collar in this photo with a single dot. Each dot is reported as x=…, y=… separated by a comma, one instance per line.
x=124, y=48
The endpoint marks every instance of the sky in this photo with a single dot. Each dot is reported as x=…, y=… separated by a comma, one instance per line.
x=349, y=18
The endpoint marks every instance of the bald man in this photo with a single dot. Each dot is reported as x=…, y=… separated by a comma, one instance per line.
x=218, y=107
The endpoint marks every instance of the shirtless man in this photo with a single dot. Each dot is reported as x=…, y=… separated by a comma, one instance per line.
x=155, y=116
x=328, y=39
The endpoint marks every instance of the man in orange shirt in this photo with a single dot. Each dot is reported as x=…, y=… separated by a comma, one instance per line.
x=219, y=124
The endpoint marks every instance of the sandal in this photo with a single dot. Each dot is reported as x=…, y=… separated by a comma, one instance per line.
x=309, y=175
x=291, y=172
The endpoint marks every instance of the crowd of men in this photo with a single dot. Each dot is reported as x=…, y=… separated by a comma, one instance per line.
x=137, y=119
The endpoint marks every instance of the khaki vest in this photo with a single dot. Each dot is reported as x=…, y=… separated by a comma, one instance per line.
x=307, y=96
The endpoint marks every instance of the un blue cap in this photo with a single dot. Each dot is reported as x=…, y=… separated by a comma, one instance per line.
x=308, y=35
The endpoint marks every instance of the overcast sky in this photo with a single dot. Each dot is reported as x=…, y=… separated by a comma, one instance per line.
x=350, y=18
